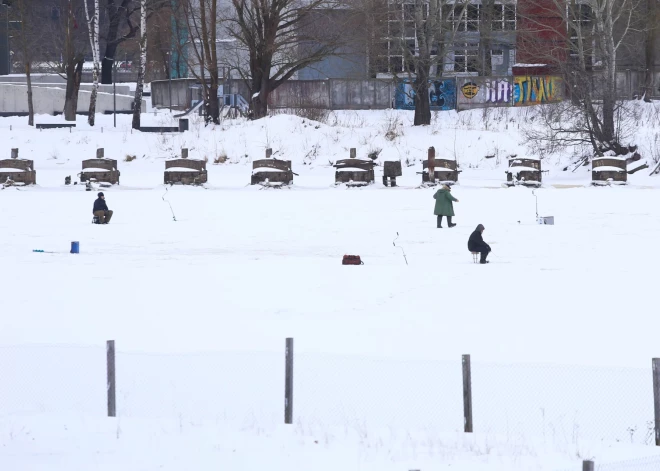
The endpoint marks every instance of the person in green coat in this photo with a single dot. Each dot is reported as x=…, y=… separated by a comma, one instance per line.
x=444, y=205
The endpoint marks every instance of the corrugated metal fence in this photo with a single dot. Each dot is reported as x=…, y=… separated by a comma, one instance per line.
x=459, y=93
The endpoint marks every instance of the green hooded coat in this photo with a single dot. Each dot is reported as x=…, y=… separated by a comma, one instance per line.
x=443, y=203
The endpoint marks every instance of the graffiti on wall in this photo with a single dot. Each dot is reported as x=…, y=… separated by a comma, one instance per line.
x=442, y=95
x=537, y=90
x=480, y=92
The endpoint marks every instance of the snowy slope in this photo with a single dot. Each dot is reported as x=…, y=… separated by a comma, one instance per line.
x=200, y=307
x=480, y=141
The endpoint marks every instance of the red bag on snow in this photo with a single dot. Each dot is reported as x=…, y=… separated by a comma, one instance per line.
x=352, y=260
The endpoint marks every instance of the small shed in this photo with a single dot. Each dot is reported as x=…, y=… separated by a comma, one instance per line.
x=100, y=170
x=524, y=171
x=185, y=171
x=17, y=171
x=606, y=170
x=354, y=171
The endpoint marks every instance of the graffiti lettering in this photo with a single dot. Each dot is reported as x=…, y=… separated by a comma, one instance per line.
x=536, y=90
x=498, y=91
x=442, y=95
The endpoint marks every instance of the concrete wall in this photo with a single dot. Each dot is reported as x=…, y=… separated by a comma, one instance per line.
x=332, y=94
x=48, y=100
x=55, y=81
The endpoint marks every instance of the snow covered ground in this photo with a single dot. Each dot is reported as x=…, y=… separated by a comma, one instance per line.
x=561, y=325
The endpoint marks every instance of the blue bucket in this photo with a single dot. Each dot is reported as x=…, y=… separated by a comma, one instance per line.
x=75, y=247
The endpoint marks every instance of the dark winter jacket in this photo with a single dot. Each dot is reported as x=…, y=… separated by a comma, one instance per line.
x=99, y=205
x=476, y=241
x=443, y=203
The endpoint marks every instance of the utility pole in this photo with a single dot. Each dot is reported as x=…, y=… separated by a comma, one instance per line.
x=114, y=90
x=5, y=61
x=169, y=77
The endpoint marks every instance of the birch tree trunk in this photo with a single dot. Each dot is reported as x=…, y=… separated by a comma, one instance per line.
x=93, y=30
x=28, y=77
x=137, y=106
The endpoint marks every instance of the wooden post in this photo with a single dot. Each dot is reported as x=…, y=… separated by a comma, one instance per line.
x=588, y=465
x=184, y=153
x=353, y=152
x=14, y=153
x=288, y=382
x=111, y=385
x=467, y=393
x=269, y=153
x=656, y=398
x=100, y=153
x=432, y=164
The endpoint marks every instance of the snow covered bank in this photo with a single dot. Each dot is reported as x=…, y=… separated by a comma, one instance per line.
x=480, y=141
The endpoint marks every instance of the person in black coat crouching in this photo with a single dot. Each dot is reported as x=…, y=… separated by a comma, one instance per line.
x=476, y=243
x=101, y=211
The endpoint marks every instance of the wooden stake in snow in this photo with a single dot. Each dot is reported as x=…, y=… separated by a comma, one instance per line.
x=467, y=391
x=353, y=153
x=432, y=164
x=288, y=382
x=656, y=398
x=111, y=383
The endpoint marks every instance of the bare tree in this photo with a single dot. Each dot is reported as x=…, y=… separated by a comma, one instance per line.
x=278, y=38
x=93, y=30
x=436, y=23
x=485, y=65
x=202, y=17
x=586, y=37
x=137, y=106
x=119, y=13
x=28, y=40
x=650, y=43
x=370, y=28
x=73, y=60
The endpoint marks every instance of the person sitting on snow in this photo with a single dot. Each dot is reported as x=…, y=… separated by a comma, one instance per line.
x=476, y=244
x=101, y=211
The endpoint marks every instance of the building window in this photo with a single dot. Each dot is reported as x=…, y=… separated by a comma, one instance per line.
x=463, y=17
x=510, y=17
x=466, y=58
x=504, y=17
x=581, y=30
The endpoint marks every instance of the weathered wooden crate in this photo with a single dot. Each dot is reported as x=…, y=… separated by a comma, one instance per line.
x=272, y=171
x=354, y=172
x=524, y=171
x=100, y=170
x=185, y=172
x=605, y=170
x=445, y=171
x=17, y=170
